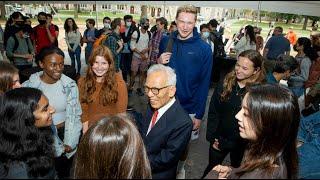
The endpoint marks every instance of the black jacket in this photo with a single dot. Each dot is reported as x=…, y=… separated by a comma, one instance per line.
x=167, y=140
x=222, y=124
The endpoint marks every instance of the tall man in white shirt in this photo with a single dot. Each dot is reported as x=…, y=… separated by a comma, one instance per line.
x=166, y=131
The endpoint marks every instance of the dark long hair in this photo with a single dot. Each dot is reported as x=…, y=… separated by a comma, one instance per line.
x=7, y=71
x=307, y=48
x=20, y=139
x=250, y=33
x=112, y=149
x=274, y=115
x=74, y=25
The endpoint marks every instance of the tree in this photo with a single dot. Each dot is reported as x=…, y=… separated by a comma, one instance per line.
x=2, y=10
x=144, y=11
x=76, y=10
x=305, y=23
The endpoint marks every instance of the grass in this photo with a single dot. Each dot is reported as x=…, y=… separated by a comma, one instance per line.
x=297, y=28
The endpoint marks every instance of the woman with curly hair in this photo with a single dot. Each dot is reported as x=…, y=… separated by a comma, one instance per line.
x=26, y=143
x=112, y=149
x=9, y=77
x=222, y=127
x=103, y=91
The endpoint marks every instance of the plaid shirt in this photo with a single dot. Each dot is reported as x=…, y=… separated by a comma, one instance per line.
x=154, y=45
x=111, y=43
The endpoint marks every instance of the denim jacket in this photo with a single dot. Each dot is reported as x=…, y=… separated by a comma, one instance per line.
x=309, y=151
x=73, y=125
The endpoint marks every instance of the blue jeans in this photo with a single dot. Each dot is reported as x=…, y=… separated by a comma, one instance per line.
x=75, y=56
x=298, y=91
x=88, y=51
x=309, y=152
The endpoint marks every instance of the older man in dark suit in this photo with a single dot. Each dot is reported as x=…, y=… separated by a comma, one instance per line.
x=167, y=128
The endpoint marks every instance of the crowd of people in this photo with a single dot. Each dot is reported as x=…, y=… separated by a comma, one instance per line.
x=53, y=126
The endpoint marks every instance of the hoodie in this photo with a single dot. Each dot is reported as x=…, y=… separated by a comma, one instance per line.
x=192, y=61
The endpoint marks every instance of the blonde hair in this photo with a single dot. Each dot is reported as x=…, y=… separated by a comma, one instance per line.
x=187, y=9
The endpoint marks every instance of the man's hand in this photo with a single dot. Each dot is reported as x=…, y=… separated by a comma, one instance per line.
x=223, y=171
x=120, y=43
x=164, y=58
x=143, y=57
x=145, y=51
x=215, y=145
x=29, y=57
x=196, y=123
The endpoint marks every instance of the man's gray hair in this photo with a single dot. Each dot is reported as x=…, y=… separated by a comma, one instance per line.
x=171, y=75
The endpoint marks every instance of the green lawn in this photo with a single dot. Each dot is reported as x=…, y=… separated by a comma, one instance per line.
x=297, y=28
x=82, y=16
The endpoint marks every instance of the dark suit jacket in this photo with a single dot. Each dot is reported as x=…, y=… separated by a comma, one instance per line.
x=167, y=140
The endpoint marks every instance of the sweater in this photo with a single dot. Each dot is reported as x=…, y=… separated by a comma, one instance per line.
x=192, y=61
x=73, y=37
x=95, y=110
x=222, y=124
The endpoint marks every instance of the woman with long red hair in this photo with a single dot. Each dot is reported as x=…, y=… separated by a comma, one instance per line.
x=103, y=91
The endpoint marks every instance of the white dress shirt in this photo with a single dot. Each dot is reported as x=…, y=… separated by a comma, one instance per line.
x=161, y=111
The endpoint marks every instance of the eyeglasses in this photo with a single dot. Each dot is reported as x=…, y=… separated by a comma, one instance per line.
x=154, y=90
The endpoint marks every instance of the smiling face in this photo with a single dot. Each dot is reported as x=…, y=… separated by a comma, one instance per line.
x=52, y=65
x=185, y=24
x=43, y=113
x=245, y=122
x=16, y=81
x=100, y=66
x=244, y=69
x=158, y=80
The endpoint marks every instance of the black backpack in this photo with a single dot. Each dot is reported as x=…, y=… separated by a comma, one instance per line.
x=216, y=38
x=16, y=45
x=138, y=37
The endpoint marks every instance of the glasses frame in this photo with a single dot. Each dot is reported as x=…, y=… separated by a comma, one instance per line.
x=154, y=90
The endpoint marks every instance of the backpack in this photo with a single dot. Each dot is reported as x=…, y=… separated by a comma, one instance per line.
x=138, y=37
x=219, y=51
x=100, y=40
x=16, y=45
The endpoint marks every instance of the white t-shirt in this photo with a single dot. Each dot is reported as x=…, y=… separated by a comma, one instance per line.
x=57, y=98
x=142, y=43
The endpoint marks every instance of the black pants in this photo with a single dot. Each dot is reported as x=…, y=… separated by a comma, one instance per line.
x=125, y=65
x=63, y=165
x=216, y=157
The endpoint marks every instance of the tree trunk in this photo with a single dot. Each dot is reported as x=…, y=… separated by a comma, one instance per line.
x=305, y=23
x=2, y=10
x=76, y=9
x=144, y=11
x=313, y=23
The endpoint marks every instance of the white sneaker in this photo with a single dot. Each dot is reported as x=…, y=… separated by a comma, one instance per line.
x=181, y=174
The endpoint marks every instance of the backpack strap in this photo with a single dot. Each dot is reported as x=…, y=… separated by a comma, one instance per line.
x=138, y=37
x=16, y=43
x=149, y=34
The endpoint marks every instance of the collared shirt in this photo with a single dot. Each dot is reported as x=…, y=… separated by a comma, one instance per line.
x=161, y=111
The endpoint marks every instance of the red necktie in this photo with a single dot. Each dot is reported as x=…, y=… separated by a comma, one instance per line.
x=154, y=119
